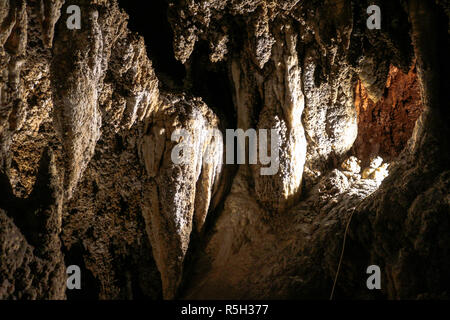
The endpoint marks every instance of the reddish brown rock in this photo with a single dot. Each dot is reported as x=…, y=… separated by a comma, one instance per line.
x=384, y=127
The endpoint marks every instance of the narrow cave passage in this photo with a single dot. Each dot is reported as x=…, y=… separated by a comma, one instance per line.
x=385, y=126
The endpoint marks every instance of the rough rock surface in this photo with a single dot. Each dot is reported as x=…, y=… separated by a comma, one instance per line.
x=388, y=123
x=86, y=169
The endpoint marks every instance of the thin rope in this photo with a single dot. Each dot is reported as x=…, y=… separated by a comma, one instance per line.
x=342, y=253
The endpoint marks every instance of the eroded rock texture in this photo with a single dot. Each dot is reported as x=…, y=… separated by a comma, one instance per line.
x=88, y=126
x=178, y=195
